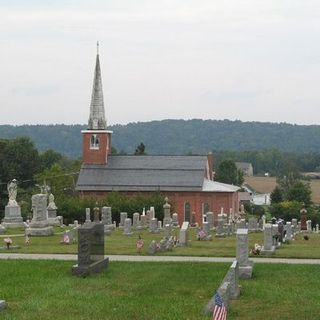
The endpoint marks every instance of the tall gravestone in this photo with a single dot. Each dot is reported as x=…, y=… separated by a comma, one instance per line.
x=123, y=217
x=90, y=250
x=88, y=218
x=268, y=245
x=127, y=227
x=220, y=232
x=166, y=213
x=12, y=218
x=303, y=219
x=52, y=212
x=210, y=219
x=245, y=265
x=184, y=234
x=289, y=233
x=39, y=225
x=106, y=220
x=136, y=220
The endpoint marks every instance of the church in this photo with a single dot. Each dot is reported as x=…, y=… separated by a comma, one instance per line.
x=186, y=180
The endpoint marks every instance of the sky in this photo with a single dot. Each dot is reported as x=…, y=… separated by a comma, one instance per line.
x=248, y=60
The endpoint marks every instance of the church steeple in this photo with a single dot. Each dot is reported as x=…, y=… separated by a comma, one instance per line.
x=97, y=116
x=96, y=144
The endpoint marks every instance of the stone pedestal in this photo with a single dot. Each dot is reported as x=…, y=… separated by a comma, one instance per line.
x=39, y=225
x=52, y=217
x=12, y=218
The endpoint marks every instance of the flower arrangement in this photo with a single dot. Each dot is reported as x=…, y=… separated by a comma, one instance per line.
x=8, y=241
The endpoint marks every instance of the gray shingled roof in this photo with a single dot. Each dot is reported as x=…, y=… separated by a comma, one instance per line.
x=144, y=173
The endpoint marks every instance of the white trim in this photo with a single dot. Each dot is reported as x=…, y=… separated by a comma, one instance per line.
x=96, y=131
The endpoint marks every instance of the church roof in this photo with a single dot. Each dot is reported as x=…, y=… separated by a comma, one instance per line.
x=149, y=173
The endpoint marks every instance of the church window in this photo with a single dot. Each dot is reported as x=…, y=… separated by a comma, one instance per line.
x=94, y=142
x=187, y=211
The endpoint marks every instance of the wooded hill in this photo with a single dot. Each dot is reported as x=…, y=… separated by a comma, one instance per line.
x=178, y=136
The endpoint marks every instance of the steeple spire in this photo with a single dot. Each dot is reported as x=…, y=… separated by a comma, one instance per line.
x=97, y=116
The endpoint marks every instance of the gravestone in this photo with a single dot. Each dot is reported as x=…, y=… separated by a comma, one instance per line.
x=289, y=234
x=12, y=217
x=136, y=220
x=175, y=221
x=167, y=231
x=52, y=212
x=39, y=225
x=268, y=245
x=3, y=304
x=275, y=235
x=241, y=224
x=253, y=224
x=245, y=265
x=220, y=227
x=263, y=219
x=127, y=227
x=233, y=278
x=309, y=226
x=184, y=234
x=90, y=250
x=88, y=218
x=153, y=247
x=206, y=230
x=210, y=220
x=166, y=213
x=317, y=228
x=2, y=229
x=152, y=213
x=123, y=217
x=106, y=220
x=159, y=225
x=303, y=219
x=96, y=215
x=153, y=228
x=143, y=222
x=294, y=223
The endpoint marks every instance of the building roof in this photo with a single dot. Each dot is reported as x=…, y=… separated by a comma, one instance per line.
x=149, y=173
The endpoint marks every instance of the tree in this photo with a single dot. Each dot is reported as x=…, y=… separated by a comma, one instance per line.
x=140, y=150
x=276, y=195
x=300, y=192
x=227, y=172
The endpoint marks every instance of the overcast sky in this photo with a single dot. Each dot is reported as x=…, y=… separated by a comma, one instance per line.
x=251, y=60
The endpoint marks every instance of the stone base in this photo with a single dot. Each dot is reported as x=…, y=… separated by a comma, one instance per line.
x=3, y=304
x=54, y=221
x=95, y=267
x=268, y=252
x=220, y=235
x=46, y=231
x=11, y=225
x=245, y=272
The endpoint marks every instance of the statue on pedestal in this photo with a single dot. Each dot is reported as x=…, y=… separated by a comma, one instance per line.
x=12, y=192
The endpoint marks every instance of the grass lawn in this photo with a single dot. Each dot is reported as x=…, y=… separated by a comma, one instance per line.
x=117, y=243
x=47, y=290
x=150, y=291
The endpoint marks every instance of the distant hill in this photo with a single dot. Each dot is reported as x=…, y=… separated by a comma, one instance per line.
x=178, y=136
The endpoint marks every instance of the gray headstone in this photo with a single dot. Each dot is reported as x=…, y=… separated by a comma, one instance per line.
x=175, y=221
x=127, y=227
x=184, y=234
x=154, y=225
x=143, y=221
x=220, y=232
x=167, y=231
x=135, y=220
x=245, y=265
x=90, y=250
x=39, y=225
x=123, y=217
x=268, y=245
x=210, y=219
x=88, y=218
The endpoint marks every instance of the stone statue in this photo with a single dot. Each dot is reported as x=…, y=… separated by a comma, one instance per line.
x=12, y=192
x=51, y=204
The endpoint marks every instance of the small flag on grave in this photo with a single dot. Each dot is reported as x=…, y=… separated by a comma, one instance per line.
x=220, y=310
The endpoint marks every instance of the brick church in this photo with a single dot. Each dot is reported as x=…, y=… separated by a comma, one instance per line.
x=186, y=180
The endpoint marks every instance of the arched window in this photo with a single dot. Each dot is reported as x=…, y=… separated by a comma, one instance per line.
x=94, y=142
x=187, y=211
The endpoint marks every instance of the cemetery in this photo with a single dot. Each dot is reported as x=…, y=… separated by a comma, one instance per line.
x=243, y=284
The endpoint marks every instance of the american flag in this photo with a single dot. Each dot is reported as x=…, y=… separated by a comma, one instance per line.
x=219, y=311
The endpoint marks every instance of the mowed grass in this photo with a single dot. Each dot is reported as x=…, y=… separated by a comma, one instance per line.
x=151, y=291
x=279, y=291
x=118, y=243
x=47, y=290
